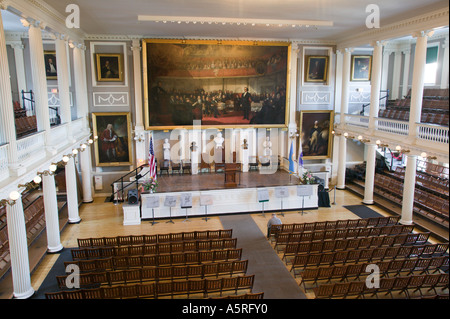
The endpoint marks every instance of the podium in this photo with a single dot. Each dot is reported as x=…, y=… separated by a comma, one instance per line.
x=232, y=171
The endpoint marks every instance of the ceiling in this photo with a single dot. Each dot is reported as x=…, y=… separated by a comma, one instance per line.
x=119, y=17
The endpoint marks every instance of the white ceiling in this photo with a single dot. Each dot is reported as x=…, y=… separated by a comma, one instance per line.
x=120, y=17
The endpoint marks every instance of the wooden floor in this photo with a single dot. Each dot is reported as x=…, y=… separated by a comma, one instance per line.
x=104, y=219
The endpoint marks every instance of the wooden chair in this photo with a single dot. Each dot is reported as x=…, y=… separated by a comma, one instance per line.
x=164, y=167
x=176, y=167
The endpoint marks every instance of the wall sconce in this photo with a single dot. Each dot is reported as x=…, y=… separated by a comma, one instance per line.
x=347, y=136
x=378, y=142
x=139, y=137
x=398, y=148
x=293, y=134
x=425, y=155
x=13, y=197
x=335, y=133
x=362, y=140
x=51, y=171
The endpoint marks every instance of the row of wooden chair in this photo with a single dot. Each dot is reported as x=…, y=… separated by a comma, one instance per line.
x=293, y=249
x=436, y=170
x=154, y=239
x=156, y=274
x=25, y=125
x=254, y=296
x=153, y=249
x=429, y=204
x=425, y=181
x=387, y=286
x=340, y=234
x=394, y=268
x=157, y=290
x=130, y=262
x=429, y=117
x=301, y=262
x=336, y=224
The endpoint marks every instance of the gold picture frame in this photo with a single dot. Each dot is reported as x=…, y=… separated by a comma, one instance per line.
x=315, y=134
x=316, y=69
x=113, y=146
x=109, y=67
x=50, y=65
x=168, y=66
x=361, y=68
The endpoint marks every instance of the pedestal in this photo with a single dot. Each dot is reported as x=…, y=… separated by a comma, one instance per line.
x=194, y=162
x=244, y=160
x=131, y=214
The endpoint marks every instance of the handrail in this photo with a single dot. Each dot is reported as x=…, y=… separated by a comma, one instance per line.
x=381, y=98
x=121, y=180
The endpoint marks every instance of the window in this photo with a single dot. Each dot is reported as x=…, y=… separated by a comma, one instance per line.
x=431, y=65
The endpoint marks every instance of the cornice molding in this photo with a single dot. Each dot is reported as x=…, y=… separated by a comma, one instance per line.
x=427, y=21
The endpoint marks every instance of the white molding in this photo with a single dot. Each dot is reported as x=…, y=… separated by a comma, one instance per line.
x=111, y=99
x=316, y=97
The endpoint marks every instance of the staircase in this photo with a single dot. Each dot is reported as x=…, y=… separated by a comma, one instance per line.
x=126, y=182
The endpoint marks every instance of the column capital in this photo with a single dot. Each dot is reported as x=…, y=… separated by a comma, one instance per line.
x=30, y=22
x=421, y=34
x=60, y=36
x=378, y=44
x=349, y=50
x=16, y=45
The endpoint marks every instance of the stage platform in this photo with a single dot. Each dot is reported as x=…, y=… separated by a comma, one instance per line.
x=206, y=195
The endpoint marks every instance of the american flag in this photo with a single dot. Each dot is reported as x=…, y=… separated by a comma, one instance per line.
x=152, y=160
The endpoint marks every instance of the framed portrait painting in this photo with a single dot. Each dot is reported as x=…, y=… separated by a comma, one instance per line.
x=361, y=67
x=109, y=67
x=222, y=84
x=316, y=69
x=113, y=146
x=315, y=132
x=50, y=65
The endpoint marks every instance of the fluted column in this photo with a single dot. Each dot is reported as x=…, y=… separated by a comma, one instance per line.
x=420, y=56
x=7, y=129
x=20, y=69
x=370, y=174
x=346, y=65
x=408, y=190
x=63, y=82
x=395, y=93
x=72, y=192
x=86, y=176
x=51, y=214
x=385, y=67
x=39, y=78
x=342, y=164
x=18, y=248
x=406, y=67
x=375, y=83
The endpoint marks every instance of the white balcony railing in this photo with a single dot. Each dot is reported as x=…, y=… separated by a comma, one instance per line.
x=392, y=126
x=31, y=149
x=357, y=120
x=433, y=133
x=4, y=172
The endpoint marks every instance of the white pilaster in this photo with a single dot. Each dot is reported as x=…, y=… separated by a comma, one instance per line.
x=375, y=84
x=406, y=67
x=136, y=48
x=395, y=93
x=80, y=84
x=445, y=66
x=342, y=164
x=385, y=68
x=51, y=214
x=18, y=248
x=293, y=83
x=408, y=190
x=72, y=192
x=346, y=65
x=418, y=82
x=370, y=174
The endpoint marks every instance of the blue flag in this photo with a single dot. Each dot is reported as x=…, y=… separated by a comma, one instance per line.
x=300, y=157
x=291, y=159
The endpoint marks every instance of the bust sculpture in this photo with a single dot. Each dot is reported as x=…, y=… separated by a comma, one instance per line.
x=166, y=148
x=219, y=140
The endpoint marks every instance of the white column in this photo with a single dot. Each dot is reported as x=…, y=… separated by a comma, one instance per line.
x=375, y=84
x=72, y=192
x=395, y=93
x=406, y=67
x=408, y=190
x=346, y=65
x=338, y=82
x=342, y=162
x=418, y=83
x=18, y=248
x=445, y=66
x=86, y=177
x=51, y=214
x=370, y=173
x=80, y=84
x=39, y=78
x=63, y=82
x=20, y=69
x=136, y=48
x=7, y=129
x=293, y=83
x=385, y=67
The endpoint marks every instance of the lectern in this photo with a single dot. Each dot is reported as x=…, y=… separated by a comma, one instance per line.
x=232, y=171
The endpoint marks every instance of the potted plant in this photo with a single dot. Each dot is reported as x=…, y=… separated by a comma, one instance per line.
x=150, y=185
